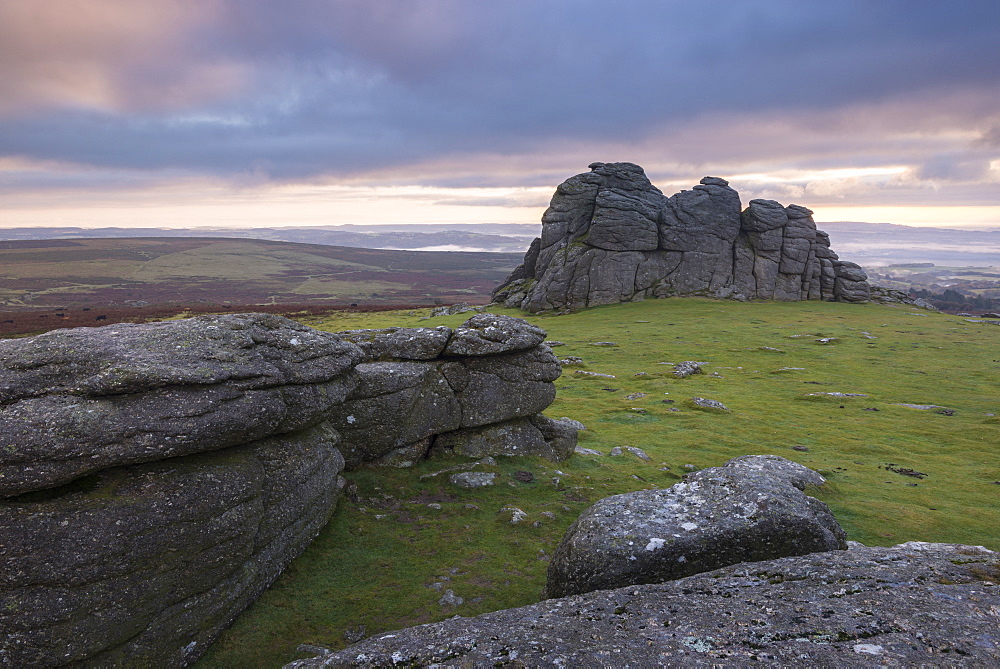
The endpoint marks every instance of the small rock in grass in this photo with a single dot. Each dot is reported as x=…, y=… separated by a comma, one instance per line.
x=639, y=453
x=573, y=423
x=616, y=451
x=705, y=404
x=603, y=343
x=515, y=514
x=434, y=505
x=571, y=360
x=800, y=448
x=450, y=599
x=635, y=396
x=553, y=343
x=581, y=372
x=580, y=450
x=687, y=368
x=524, y=477
x=472, y=479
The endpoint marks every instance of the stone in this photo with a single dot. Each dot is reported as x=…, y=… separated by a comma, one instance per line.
x=750, y=509
x=573, y=423
x=909, y=605
x=610, y=236
x=399, y=343
x=639, y=453
x=490, y=334
x=571, y=360
x=473, y=479
x=704, y=404
x=580, y=450
x=597, y=375
x=513, y=515
x=452, y=310
x=535, y=436
x=415, y=394
x=491, y=370
x=450, y=599
x=73, y=402
x=145, y=564
x=687, y=368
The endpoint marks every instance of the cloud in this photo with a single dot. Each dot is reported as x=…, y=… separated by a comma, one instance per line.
x=449, y=93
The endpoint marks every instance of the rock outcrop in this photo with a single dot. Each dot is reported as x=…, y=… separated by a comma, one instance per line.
x=155, y=479
x=476, y=390
x=910, y=605
x=73, y=402
x=610, y=236
x=750, y=509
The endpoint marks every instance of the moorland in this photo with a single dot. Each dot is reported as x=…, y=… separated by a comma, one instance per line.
x=401, y=538
x=65, y=283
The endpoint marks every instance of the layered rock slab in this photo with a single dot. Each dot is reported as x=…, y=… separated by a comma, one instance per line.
x=750, y=509
x=145, y=565
x=73, y=402
x=909, y=605
x=479, y=388
x=610, y=236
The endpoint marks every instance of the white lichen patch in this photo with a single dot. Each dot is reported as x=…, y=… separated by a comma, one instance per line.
x=654, y=543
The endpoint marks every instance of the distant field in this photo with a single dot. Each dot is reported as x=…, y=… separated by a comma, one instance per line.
x=895, y=473
x=64, y=277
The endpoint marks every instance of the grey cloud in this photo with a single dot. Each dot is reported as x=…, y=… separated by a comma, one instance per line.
x=349, y=88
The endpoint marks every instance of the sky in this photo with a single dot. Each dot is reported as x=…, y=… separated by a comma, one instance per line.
x=181, y=113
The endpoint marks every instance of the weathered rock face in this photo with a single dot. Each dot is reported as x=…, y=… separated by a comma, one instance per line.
x=909, y=605
x=157, y=478
x=610, y=236
x=476, y=390
x=145, y=565
x=750, y=509
x=77, y=401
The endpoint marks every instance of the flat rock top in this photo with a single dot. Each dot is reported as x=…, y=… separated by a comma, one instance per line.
x=912, y=604
x=490, y=334
x=259, y=350
x=483, y=334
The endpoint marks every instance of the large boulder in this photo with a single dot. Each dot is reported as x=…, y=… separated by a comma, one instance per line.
x=750, y=509
x=73, y=402
x=144, y=565
x=478, y=388
x=610, y=236
x=909, y=605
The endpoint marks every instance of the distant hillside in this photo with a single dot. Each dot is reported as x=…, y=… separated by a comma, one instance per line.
x=138, y=272
x=495, y=238
x=868, y=244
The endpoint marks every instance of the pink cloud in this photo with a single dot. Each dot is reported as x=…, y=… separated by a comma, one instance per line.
x=109, y=55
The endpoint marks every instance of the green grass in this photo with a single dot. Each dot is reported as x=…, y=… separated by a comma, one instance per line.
x=374, y=563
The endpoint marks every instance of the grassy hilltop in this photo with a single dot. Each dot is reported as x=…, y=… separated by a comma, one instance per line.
x=401, y=538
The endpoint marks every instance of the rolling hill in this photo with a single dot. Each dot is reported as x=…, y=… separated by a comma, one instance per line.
x=60, y=278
